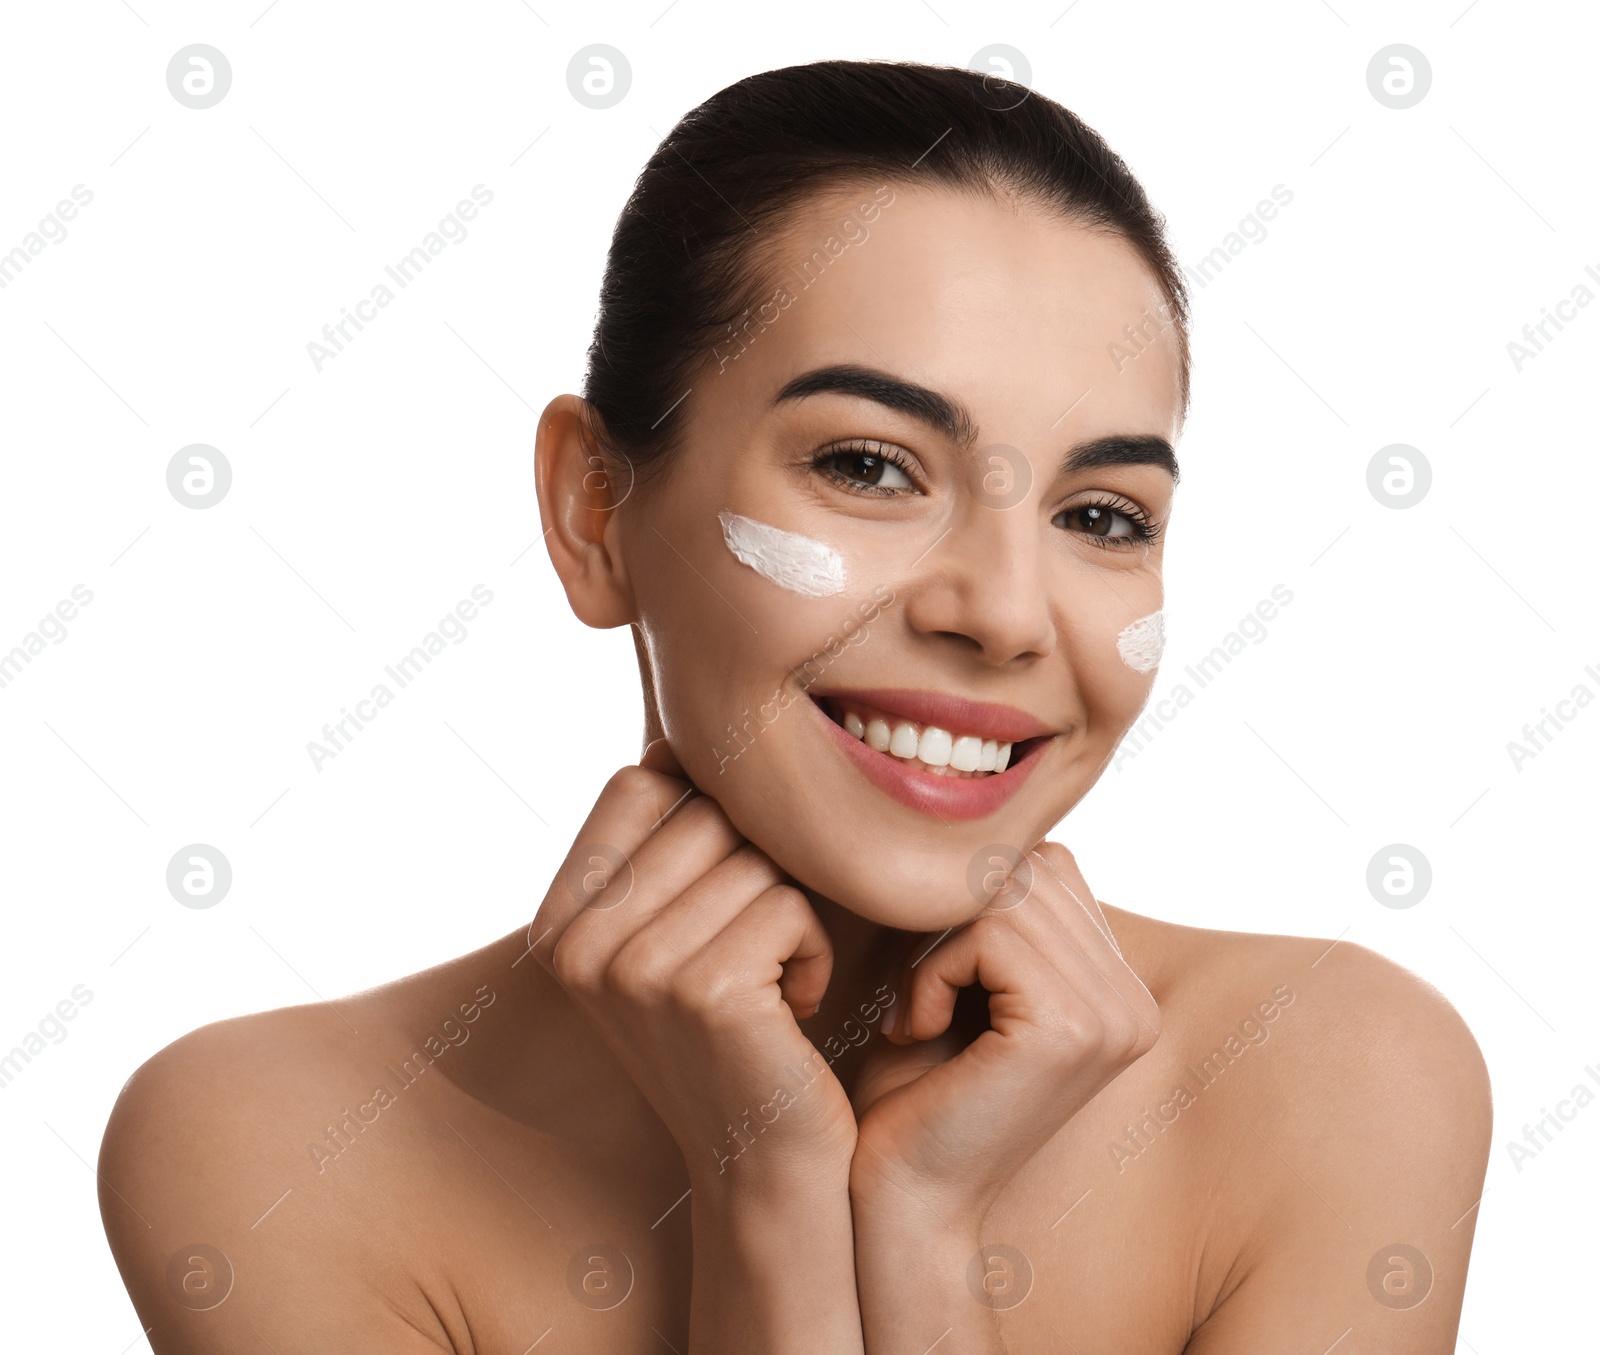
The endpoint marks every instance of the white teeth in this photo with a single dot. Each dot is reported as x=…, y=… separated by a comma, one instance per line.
x=936, y=749
x=934, y=746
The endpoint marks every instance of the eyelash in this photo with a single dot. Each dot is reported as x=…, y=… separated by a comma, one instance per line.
x=1144, y=530
x=877, y=451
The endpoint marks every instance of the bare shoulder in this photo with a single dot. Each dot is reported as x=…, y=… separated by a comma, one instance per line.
x=213, y=1208
x=1373, y=1032
x=1347, y=1115
x=220, y=1090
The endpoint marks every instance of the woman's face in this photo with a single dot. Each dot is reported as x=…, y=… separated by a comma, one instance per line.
x=911, y=399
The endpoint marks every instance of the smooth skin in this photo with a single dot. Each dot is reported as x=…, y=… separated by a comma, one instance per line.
x=780, y=1083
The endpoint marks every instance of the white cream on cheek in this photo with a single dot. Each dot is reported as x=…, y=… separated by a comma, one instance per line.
x=1141, y=642
x=810, y=568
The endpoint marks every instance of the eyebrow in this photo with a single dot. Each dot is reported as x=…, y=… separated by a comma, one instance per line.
x=952, y=418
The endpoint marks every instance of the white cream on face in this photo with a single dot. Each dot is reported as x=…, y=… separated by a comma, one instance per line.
x=1142, y=641
x=810, y=568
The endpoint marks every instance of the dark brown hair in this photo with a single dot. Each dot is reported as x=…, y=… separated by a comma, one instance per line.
x=683, y=264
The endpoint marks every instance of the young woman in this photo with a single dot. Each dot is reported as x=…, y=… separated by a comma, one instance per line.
x=816, y=1043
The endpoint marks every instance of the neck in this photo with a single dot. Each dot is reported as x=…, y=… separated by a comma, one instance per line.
x=867, y=960
x=865, y=954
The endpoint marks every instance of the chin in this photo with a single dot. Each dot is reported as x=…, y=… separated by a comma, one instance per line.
x=905, y=891
x=860, y=865
x=884, y=838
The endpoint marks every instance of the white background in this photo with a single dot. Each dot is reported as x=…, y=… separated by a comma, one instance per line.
x=369, y=498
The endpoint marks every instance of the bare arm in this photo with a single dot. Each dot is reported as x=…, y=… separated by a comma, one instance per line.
x=1367, y=1196
x=773, y=1271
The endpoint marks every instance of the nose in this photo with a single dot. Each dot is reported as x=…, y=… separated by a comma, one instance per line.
x=986, y=581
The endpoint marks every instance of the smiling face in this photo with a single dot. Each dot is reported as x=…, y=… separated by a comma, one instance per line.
x=973, y=406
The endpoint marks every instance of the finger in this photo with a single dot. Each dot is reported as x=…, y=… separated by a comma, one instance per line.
x=1024, y=989
x=1061, y=885
x=1065, y=867
x=913, y=948
x=661, y=935
x=1052, y=920
x=1047, y=907
x=630, y=809
x=659, y=757
x=776, y=938
x=1044, y=905
x=1047, y=1048
x=672, y=860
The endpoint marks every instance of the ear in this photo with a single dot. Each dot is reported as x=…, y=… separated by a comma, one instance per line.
x=578, y=497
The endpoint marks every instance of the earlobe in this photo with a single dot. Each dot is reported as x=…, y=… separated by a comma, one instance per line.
x=578, y=497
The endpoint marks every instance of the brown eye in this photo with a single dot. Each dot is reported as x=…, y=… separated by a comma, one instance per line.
x=1097, y=519
x=864, y=469
x=1110, y=527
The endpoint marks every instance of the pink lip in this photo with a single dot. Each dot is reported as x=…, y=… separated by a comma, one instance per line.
x=1005, y=724
x=945, y=797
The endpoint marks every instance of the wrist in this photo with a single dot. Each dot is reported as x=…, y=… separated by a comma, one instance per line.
x=924, y=1275
x=771, y=1153
x=885, y=1194
x=782, y=1188
x=904, y=1228
x=774, y=1266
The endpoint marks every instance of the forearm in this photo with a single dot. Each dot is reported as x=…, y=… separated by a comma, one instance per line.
x=774, y=1272
x=919, y=1283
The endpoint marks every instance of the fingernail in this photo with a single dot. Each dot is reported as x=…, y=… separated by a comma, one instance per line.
x=890, y=1019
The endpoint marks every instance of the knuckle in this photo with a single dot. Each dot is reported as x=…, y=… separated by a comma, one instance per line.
x=756, y=868
x=1075, y=1033
x=703, y=820
x=1149, y=1027
x=1136, y=1031
x=633, y=782
x=1123, y=1038
x=642, y=969
x=702, y=995
x=705, y=813
x=986, y=928
x=1057, y=855
x=573, y=966
x=783, y=898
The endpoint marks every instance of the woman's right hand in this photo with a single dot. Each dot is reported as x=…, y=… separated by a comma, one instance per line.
x=1066, y=1016
x=688, y=950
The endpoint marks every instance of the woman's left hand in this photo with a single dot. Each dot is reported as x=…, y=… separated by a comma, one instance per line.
x=950, y=1129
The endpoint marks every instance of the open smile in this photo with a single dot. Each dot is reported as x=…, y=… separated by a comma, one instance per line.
x=945, y=756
